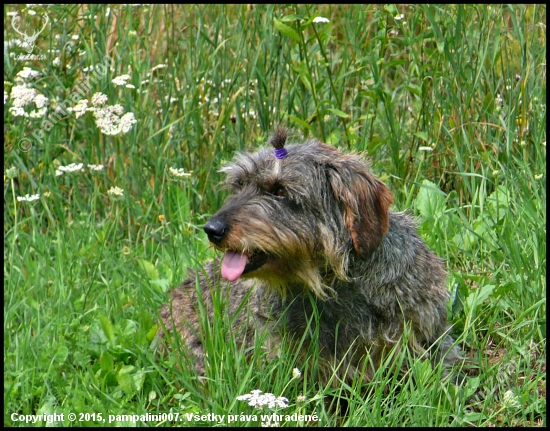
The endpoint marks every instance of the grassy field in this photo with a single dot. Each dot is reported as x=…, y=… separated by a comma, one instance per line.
x=448, y=101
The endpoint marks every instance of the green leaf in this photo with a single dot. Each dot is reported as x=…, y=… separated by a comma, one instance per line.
x=299, y=121
x=286, y=30
x=106, y=362
x=163, y=283
x=430, y=201
x=125, y=380
x=107, y=328
x=292, y=17
x=422, y=135
x=338, y=112
x=439, y=39
x=414, y=89
x=61, y=354
x=479, y=295
x=471, y=386
x=149, y=269
x=334, y=137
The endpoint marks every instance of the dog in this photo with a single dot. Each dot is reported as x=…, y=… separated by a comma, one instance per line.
x=313, y=250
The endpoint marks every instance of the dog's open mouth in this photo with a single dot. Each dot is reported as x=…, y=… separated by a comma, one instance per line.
x=236, y=264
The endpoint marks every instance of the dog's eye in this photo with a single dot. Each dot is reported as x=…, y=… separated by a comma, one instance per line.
x=239, y=183
x=279, y=191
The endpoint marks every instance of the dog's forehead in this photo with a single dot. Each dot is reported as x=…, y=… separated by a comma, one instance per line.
x=264, y=166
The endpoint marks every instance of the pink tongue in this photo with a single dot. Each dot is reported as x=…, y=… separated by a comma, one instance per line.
x=233, y=265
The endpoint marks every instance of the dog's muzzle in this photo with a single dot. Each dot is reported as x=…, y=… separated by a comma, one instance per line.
x=235, y=263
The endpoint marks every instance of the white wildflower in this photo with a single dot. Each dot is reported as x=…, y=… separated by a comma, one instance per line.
x=130, y=86
x=110, y=121
x=127, y=121
x=320, y=20
x=21, y=95
x=11, y=172
x=75, y=37
x=5, y=97
x=99, y=99
x=270, y=423
x=80, y=108
x=38, y=113
x=180, y=173
x=96, y=167
x=28, y=198
x=73, y=167
x=116, y=191
x=425, y=149
x=399, y=17
x=538, y=177
x=121, y=80
x=259, y=400
x=27, y=73
x=296, y=374
x=18, y=112
x=510, y=400
x=40, y=100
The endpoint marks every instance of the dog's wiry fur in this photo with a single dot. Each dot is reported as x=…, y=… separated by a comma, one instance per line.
x=317, y=232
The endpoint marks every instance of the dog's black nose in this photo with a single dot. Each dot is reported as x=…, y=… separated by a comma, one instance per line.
x=216, y=230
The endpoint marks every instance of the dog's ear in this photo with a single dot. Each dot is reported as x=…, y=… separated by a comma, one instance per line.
x=365, y=201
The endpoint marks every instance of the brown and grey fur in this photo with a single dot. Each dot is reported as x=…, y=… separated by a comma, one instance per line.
x=319, y=226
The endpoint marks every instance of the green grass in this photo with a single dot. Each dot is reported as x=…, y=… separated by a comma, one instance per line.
x=85, y=272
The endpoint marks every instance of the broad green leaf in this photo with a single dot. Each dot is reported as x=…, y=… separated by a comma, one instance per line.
x=286, y=30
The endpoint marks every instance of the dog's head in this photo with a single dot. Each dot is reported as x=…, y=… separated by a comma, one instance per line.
x=297, y=213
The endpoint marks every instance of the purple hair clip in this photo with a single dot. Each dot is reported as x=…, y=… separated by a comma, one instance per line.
x=281, y=153
x=278, y=140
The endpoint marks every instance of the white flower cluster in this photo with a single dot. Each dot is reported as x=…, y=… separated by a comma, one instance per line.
x=110, y=119
x=26, y=74
x=99, y=99
x=320, y=20
x=259, y=400
x=72, y=167
x=121, y=80
x=28, y=198
x=179, y=173
x=22, y=96
x=80, y=108
x=510, y=400
x=75, y=167
x=116, y=191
